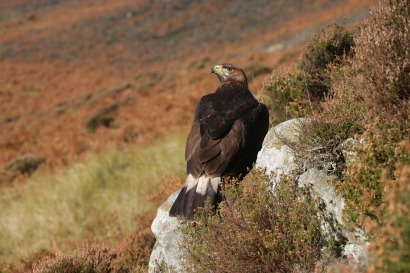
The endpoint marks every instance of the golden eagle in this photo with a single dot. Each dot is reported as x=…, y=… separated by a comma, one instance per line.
x=227, y=132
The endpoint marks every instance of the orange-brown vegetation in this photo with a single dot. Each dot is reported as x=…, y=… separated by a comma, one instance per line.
x=62, y=62
x=77, y=77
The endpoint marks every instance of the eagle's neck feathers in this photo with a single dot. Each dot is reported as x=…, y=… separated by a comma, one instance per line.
x=232, y=84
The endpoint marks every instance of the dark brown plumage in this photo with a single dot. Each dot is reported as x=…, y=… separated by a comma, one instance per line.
x=227, y=132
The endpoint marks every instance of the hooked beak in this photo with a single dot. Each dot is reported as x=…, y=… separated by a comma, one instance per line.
x=216, y=69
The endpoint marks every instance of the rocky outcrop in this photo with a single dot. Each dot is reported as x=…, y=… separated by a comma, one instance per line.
x=276, y=159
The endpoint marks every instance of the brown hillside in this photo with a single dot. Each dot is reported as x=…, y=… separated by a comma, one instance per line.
x=77, y=76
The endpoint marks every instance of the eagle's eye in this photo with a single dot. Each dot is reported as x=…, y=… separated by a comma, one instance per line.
x=229, y=69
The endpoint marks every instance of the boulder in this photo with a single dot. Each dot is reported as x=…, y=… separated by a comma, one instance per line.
x=166, y=255
x=276, y=158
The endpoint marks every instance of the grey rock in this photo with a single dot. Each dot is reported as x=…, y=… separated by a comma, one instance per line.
x=353, y=244
x=166, y=256
x=276, y=158
x=321, y=185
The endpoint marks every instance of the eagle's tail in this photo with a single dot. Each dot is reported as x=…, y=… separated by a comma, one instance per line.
x=194, y=194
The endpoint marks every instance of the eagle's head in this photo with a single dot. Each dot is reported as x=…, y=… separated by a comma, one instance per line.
x=229, y=72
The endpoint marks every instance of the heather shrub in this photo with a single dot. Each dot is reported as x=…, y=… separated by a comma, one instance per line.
x=382, y=56
x=373, y=85
x=285, y=98
x=327, y=48
x=132, y=255
x=358, y=88
x=370, y=94
x=391, y=248
x=256, y=231
x=299, y=92
x=378, y=156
